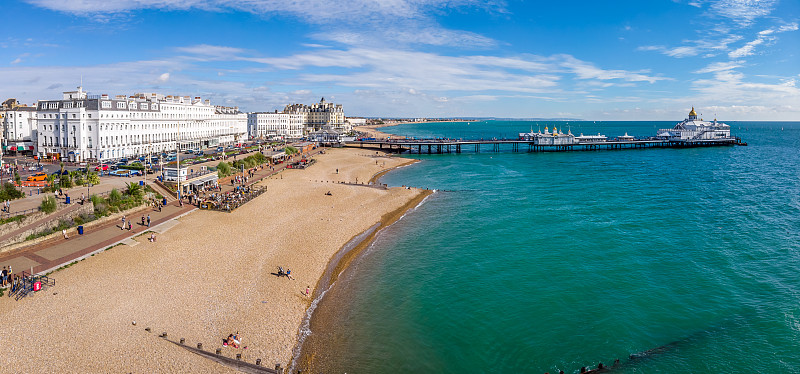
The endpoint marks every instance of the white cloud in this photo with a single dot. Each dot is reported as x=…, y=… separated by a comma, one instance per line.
x=709, y=46
x=322, y=11
x=211, y=52
x=20, y=58
x=745, y=50
x=743, y=11
x=764, y=36
x=408, y=33
x=379, y=21
x=730, y=89
x=719, y=66
x=586, y=70
x=392, y=68
x=163, y=77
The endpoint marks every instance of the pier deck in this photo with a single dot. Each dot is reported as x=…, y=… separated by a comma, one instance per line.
x=439, y=146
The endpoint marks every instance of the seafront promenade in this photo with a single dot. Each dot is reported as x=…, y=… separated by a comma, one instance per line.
x=48, y=255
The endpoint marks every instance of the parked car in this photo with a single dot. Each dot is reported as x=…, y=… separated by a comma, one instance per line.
x=113, y=167
x=199, y=153
x=220, y=149
x=82, y=170
x=123, y=161
x=38, y=177
x=58, y=173
x=101, y=167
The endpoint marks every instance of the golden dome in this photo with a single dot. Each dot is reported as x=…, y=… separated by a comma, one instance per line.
x=692, y=113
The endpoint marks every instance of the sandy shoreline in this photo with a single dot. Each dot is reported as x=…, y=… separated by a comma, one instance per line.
x=208, y=276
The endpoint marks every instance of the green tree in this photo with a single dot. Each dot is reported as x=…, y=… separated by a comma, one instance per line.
x=77, y=177
x=134, y=190
x=17, y=178
x=223, y=169
x=94, y=178
x=48, y=204
x=289, y=150
x=114, y=198
x=10, y=192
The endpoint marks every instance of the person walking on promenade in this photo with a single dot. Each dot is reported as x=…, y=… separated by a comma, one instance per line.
x=130, y=226
x=123, y=222
x=4, y=276
x=148, y=220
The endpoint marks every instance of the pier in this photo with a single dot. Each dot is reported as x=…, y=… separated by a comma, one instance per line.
x=441, y=146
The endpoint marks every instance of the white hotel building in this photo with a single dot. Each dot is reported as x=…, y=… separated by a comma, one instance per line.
x=275, y=125
x=83, y=127
x=19, y=128
x=319, y=115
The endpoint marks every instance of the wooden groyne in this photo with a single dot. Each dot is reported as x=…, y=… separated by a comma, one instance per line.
x=440, y=146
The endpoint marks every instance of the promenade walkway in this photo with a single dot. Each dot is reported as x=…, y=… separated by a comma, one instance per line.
x=54, y=253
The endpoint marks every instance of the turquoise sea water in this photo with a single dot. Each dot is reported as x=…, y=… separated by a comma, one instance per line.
x=535, y=262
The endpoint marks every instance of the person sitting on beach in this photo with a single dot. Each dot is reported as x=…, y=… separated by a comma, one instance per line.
x=231, y=341
x=152, y=237
x=64, y=232
x=289, y=274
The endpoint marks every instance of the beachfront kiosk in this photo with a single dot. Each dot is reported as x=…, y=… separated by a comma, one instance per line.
x=191, y=179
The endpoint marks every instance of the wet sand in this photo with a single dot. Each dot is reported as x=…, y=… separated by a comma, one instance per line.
x=208, y=276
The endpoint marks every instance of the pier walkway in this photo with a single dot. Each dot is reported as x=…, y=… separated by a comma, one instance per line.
x=439, y=146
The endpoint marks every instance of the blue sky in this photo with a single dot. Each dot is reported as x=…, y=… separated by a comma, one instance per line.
x=597, y=60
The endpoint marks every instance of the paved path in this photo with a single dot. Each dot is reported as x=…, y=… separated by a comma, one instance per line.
x=54, y=253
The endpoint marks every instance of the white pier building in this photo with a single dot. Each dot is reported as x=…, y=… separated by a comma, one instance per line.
x=694, y=129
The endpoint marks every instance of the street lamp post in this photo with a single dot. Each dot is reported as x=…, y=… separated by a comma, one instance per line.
x=178, y=162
